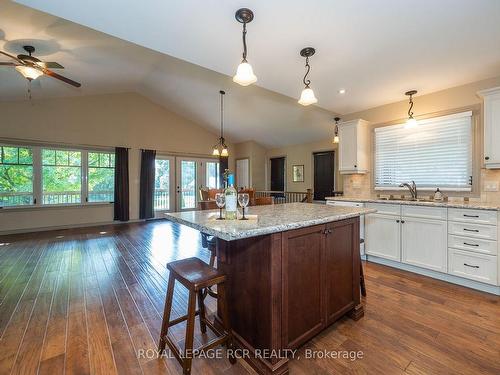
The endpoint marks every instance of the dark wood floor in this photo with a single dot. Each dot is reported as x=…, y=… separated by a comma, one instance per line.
x=87, y=301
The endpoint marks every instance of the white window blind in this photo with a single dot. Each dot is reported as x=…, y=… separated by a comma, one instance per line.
x=437, y=153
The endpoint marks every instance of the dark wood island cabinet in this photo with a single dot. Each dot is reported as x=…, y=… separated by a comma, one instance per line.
x=286, y=286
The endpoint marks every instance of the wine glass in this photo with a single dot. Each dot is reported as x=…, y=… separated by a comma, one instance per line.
x=220, y=201
x=243, y=199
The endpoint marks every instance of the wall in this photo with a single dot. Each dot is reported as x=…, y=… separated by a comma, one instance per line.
x=303, y=154
x=128, y=120
x=256, y=154
x=426, y=106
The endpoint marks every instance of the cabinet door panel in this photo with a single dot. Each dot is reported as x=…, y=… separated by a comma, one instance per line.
x=342, y=269
x=492, y=130
x=424, y=243
x=303, y=284
x=382, y=236
x=348, y=148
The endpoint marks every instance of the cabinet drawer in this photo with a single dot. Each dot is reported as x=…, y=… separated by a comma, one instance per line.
x=385, y=209
x=344, y=203
x=477, y=267
x=487, y=232
x=473, y=244
x=472, y=216
x=439, y=213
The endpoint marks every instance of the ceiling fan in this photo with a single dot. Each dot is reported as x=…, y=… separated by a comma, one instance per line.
x=31, y=68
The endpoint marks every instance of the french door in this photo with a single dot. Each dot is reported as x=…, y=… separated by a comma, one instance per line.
x=164, y=196
x=192, y=174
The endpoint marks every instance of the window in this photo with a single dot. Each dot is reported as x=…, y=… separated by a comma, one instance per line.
x=212, y=177
x=162, y=184
x=16, y=176
x=437, y=153
x=101, y=176
x=61, y=176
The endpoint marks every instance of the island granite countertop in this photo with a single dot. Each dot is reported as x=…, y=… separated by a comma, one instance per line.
x=270, y=219
x=449, y=204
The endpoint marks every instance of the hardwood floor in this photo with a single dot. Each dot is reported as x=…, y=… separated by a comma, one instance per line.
x=88, y=301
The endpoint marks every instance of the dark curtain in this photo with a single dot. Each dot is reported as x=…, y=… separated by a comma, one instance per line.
x=223, y=165
x=121, y=184
x=147, y=182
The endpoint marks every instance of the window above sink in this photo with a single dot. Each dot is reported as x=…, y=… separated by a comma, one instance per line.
x=436, y=153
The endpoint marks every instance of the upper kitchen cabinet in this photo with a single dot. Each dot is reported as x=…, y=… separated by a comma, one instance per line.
x=491, y=127
x=354, y=147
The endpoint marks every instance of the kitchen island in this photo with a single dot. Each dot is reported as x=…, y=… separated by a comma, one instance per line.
x=292, y=270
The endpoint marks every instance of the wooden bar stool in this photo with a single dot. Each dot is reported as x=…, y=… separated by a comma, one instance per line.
x=195, y=275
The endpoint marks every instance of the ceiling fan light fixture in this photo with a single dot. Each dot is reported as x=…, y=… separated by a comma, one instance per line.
x=307, y=96
x=28, y=72
x=244, y=74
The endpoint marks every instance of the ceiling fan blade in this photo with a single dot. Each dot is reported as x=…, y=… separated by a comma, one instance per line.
x=12, y=57
x=49, y=65
x=52, y=74
x=7, y=64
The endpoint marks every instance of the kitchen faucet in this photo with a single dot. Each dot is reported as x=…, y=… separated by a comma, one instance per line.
x=412, y=187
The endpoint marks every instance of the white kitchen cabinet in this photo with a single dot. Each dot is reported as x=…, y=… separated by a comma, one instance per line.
x=491, y=127
x=424, y=243
x=382, y=236
x=354, y=147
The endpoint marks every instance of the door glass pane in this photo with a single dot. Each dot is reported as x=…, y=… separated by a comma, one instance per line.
x=212, y=177
x=188, y=184
x=162, y=184
x=61, y=176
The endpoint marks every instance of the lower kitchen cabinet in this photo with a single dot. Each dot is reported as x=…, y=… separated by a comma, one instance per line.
x=382, y=236
x=424, y=243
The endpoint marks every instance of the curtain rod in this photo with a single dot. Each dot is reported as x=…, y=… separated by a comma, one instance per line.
x=29, y=142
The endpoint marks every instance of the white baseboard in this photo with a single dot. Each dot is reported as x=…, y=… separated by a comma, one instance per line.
x=437, y=275
x=71, y=226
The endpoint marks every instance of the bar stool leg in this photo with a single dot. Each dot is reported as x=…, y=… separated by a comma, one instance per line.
x=221, y=292
x=166, y=312
x=201, y=307
x=188, y=345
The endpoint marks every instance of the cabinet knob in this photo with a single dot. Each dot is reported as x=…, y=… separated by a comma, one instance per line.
x=397, y=221
x=402, y=221
x=355, y=166
x=486, y=158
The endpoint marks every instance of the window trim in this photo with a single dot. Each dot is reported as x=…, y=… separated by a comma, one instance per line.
x=37, y=148
x=445, y=115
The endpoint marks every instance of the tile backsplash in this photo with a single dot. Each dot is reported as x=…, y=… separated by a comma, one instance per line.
x=359, y=186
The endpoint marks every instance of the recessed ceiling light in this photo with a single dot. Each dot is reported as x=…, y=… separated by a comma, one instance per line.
x=341, y=91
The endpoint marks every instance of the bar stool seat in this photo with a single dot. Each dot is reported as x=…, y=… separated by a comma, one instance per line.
x=196, y=276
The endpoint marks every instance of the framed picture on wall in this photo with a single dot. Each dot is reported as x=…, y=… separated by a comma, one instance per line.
x=298, y=173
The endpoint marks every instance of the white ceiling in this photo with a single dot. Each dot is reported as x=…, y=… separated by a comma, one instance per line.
x=375, y=49
x=185, y=51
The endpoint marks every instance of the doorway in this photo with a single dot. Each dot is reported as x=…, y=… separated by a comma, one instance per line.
x=278, y=174
x=324, y=174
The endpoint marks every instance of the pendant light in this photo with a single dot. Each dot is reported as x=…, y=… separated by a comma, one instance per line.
x=336, y=137
x=411, y=122
x=244, y=74
x=220, y=149
x=307, y=96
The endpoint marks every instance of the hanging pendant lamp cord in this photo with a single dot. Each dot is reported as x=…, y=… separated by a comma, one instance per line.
x=244, y=42
x=222, y=116
x=307, y=82
x=410, y=113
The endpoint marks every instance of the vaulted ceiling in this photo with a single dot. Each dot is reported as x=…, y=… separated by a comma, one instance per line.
x=180, y=54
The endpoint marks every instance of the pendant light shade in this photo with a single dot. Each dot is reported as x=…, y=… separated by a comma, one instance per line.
x=336, y=136
x=307, y=96
x=220, y=149
x=244, y=74
x=411, y=122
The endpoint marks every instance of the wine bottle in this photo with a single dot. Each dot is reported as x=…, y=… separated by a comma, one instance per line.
x=231, y=199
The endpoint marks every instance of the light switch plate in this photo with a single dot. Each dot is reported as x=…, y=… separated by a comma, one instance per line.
x=490, y=185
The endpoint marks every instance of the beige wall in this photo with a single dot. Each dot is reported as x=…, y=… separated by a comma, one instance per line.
x=256, y=154
x=128, y=120
x=462, y=97
x=303, y=154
